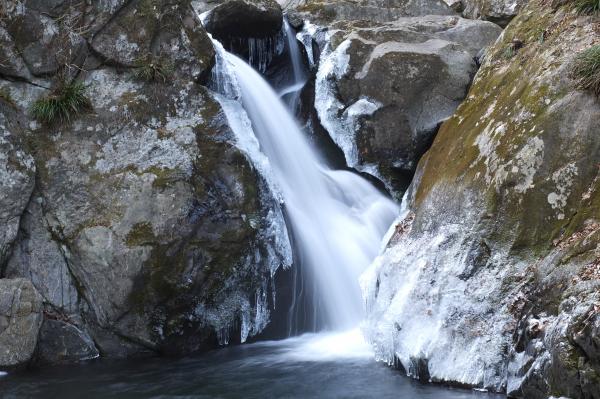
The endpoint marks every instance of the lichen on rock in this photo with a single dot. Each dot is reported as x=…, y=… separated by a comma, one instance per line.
x=495, y=285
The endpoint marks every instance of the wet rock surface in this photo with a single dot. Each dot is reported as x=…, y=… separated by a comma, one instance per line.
x=61, y=342
x=495, y=283
x=244, y=18
x=139, y=221
x=383, y=89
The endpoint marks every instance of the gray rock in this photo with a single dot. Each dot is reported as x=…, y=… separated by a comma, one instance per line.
x=38, y=257
x=244, y=19
x=20, y=321
x=61, y=342
x=327, y=12
x=149, y=230
x=496, y=285
x=385, y=88
x=167, y=33
x=43, y=43
x=17, y=171
x=161, y=192
x=11, y=62
x=500, y=12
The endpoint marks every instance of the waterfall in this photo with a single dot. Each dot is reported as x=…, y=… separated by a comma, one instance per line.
x=337, y=218
x=291, y=94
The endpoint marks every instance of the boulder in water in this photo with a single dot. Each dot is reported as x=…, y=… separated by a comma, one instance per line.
x=61, y=342
x=497, y=283
x=384, y=89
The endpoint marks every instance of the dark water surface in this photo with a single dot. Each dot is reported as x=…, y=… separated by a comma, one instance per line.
x=302, y=367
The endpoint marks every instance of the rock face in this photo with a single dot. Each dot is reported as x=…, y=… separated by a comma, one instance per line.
x=17, y=172
x=492, y=279
x=383, y=89
x=147, y=229
x=251, y=29
x=20, y=320
x=326, y=12
x=245, y=18
x=500, y=12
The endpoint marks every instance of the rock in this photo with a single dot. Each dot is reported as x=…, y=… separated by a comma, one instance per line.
x=60, y=342
x=251, y=29
x=322, y=12
x=39, y=257
x=157, y=32
x=17, y=172
x=161, y=190
x=515, y=168
x=500, y=12
x=20, y=320
x=44, y=43
x=149, y=230
x=384, y=89
x=11, y=62
x=244, y=19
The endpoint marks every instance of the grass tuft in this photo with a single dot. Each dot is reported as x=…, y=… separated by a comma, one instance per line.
x=586, y=69
x=587, y=7
x=152, y=69
x=60, y=106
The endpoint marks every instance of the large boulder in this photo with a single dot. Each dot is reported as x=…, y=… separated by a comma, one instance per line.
x=327, y=12
x=500, y=12
x=383, y=89
x=60, y=342
x=492, y=278
x=148, y=229
x=145, y=32
x=244, y=19
x=20, y=321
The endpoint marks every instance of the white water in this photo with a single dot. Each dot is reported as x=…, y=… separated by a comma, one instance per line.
x=337, y=218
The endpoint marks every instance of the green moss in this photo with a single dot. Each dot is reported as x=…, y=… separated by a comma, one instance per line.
x=586, y=70
x=65, y=102
x=140, y=234
x=153, y=69
x=512, y=105
x=164, y=177
x=138, y=107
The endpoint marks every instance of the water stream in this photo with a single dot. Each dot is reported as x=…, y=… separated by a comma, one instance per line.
x=337, y=221
x=336, y=217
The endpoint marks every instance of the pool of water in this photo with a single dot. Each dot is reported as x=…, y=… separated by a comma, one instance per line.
x=310, y=366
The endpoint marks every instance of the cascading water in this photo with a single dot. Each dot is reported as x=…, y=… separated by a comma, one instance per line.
x=291, y=94
x=337, y=218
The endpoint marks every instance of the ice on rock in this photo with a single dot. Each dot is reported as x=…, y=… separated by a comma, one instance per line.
x=310, y=34
x=420, y=310
x=273, y=234
x=341, y=122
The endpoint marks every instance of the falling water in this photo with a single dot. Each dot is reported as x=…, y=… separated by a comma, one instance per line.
x=337, y=218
